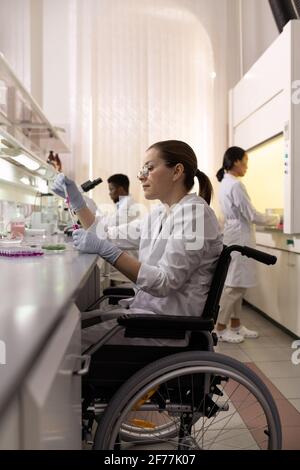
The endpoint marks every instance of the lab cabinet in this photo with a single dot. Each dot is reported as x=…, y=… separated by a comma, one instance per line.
x=277, y=290
x=265, y=104
x=91, y=290
x=104, y=269
x=26, y=137
x=23, y=123
x=40, y=384
x=51, y=394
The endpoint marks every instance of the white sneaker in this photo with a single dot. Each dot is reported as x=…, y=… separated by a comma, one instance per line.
x=229, y=336
x=246, y=333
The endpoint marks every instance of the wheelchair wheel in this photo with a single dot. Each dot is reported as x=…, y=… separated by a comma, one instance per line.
x=145, y=427
x=191, y=400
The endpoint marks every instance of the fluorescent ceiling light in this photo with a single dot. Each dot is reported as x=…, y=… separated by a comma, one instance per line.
x=25, y=180
x=26, y=161
x=6, y=171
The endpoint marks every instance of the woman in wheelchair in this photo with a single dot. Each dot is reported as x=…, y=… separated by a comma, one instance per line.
x=179, y=242
x=172, y=390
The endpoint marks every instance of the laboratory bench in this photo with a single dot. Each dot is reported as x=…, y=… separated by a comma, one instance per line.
x=40, y=334
x=277, y=293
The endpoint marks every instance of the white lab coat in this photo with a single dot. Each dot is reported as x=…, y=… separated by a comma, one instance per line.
x=240, y=215
x=126, y=211
x=173, y=279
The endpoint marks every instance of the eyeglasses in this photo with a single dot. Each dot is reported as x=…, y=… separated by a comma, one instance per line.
x=145, y=170
x=149, y=166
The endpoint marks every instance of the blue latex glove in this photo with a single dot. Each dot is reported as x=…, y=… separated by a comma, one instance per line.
x=89, y=242
x=62, y=184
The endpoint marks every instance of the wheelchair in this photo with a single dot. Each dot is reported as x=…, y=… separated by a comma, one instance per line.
x=177, y=398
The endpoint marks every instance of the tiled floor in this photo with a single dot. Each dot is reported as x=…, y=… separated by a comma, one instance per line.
x=270, y=357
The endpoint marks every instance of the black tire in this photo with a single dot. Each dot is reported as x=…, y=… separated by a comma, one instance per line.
x=193, y=367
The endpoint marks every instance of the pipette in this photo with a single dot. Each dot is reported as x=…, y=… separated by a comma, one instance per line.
x=74, y=221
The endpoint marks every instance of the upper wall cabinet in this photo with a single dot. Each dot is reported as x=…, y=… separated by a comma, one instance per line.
x=25, y=133
x=265, y=103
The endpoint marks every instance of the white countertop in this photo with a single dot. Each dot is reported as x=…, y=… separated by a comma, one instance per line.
x=34, y=294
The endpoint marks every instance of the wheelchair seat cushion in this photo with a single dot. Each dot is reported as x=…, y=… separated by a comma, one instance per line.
x=162, y=326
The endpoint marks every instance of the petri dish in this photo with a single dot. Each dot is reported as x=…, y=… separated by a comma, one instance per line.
x=10, y=241
x=54, y=248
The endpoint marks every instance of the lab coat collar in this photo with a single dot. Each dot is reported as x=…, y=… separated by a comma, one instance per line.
x=123, y=201
x=182, y=201
x=229, y=176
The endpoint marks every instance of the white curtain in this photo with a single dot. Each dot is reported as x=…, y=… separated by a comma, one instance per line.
x=143, y=71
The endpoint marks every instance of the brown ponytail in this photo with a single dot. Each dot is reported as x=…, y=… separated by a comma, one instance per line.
x=205, y=186
x=176, y=151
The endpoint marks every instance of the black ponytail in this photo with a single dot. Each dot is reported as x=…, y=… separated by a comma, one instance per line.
x=231, y=155
x=220, y=174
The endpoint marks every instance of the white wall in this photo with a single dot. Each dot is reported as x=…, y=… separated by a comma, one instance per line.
x=36, y=47
x=56, y=59
x=56, y=67
x=218, y=17
x=35, y=36
x=259, y=30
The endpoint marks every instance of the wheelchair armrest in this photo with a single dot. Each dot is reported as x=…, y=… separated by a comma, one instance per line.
x=162, y=326
x=124, y=291
x=113, y=295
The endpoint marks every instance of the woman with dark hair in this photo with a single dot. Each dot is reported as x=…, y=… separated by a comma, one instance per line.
x=239, y=215
x=179, y=242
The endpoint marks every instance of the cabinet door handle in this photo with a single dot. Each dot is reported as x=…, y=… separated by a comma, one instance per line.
x=86, y=358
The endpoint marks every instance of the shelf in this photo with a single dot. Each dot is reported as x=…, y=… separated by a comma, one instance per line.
x=26, y=136
x=22, y=118
x=43, y=170
x=12, y=174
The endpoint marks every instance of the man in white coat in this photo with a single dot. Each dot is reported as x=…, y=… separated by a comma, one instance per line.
x=126, y=208
x=240, y=217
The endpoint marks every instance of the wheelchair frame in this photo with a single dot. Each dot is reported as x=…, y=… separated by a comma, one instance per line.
x=150, y=381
